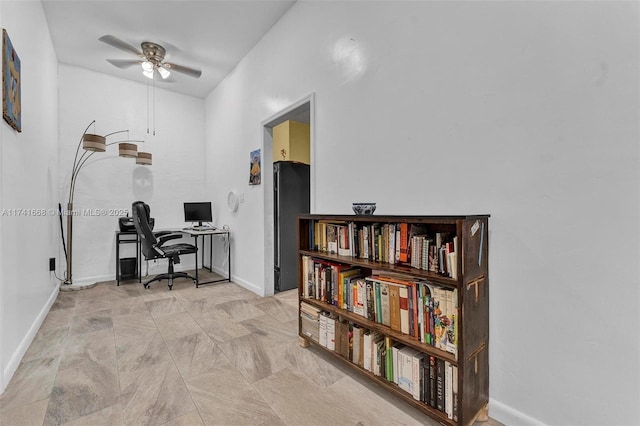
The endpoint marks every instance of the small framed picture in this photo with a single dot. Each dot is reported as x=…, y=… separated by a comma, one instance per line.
x=11, y=106
x=254, y=167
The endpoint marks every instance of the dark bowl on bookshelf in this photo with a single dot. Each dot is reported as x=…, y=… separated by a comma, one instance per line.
x=363, y=208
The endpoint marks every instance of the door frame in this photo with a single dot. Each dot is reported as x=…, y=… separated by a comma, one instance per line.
x=288, y=113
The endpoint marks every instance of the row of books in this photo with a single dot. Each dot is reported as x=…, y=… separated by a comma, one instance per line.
x=418, y=308
x=426, y=378
x=401, y=243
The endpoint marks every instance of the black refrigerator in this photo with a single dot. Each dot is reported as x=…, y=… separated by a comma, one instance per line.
x=290, y=199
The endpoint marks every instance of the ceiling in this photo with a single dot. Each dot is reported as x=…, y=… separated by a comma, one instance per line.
x=209, y=35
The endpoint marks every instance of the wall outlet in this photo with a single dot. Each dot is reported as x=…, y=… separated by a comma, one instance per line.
x=52, y=264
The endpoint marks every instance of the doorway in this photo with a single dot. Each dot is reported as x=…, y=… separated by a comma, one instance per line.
x=301, y=112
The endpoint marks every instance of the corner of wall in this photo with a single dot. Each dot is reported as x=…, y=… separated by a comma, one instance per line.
x=14, y=362
x=510, y=416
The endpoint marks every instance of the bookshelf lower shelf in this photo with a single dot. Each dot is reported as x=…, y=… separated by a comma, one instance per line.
x=372, y=325
x=391, y=387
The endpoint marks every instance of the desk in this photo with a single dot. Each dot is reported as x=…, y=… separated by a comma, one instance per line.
x=225, y=233
x=125, y=237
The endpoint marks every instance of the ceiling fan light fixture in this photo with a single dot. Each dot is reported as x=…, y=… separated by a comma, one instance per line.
x=164, y=73
x=151, y=58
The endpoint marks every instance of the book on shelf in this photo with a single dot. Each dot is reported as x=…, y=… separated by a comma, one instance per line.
x=309, y=321
x=427, y=244
x=418, y=362
x=378, y=300
x=323, y=329
x=381, y=358
x=367, y=350
x=403, y=294
x=332, y=238
x=433, y=373
x=322, y=236
x=395, y=349
x=424, y=379
x=421, y=320
x=454, y=392
x=385, y=313
x=396, y=257
x=360, y=297
x=443, y=317
x=440, y=383
x=370, y=311
x=388, y=367
x=448, y=389
x=364, y=242
x=344, y=240
x=343, y=280
x=406, y=380
x=331, y=333
x=343, y=341
x=404, y=248
x=356, y=336
x=352, y=238
x=391, y=256
x=412, y=311
x=309, y=289
x=394, y=307
x=310, y=310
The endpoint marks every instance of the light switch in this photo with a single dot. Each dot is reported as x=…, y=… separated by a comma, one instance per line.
x=241, y=197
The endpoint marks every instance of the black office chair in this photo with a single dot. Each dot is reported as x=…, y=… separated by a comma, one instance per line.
x=153, y=245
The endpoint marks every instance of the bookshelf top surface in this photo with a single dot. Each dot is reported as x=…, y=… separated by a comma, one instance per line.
x=391, y=218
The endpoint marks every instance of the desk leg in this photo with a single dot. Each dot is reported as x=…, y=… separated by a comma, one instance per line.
x=118, y=260
x=229, y=255
x=211, y=253
x=195, y=237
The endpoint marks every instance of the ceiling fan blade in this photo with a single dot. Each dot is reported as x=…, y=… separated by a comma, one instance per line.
x=123, y=63
x=116, y=42
x=182, y=69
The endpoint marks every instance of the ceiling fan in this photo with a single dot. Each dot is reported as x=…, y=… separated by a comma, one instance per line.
x=151, y=58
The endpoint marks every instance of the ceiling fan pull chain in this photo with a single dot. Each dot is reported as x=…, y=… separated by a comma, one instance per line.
x=147, y=107
x=154, y=107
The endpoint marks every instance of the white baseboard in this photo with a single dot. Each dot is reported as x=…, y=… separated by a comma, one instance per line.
x=154, y=269
x=93, y=279
x=243, y=283
x=510, y=416
x=14, y=362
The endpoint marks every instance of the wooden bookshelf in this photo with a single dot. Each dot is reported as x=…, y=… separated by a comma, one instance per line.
x=464, y=274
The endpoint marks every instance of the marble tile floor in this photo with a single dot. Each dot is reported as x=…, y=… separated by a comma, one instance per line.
x=215, y=355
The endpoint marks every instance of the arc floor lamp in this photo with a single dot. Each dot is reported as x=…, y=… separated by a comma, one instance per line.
x=92, y=143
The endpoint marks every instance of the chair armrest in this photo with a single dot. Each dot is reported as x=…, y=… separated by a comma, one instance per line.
x=164, y=238
x=162, y=233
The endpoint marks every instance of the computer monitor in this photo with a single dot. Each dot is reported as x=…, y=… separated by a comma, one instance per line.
x=198, y=212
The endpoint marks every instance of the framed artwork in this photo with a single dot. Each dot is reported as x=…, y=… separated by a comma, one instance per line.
x=11, y=107
x=254, y=167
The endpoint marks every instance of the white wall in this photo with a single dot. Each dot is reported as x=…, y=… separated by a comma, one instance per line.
x=28, y=180
x=527, y=111
x=111, y=182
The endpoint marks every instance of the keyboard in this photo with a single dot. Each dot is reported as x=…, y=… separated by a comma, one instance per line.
x=199, y=228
